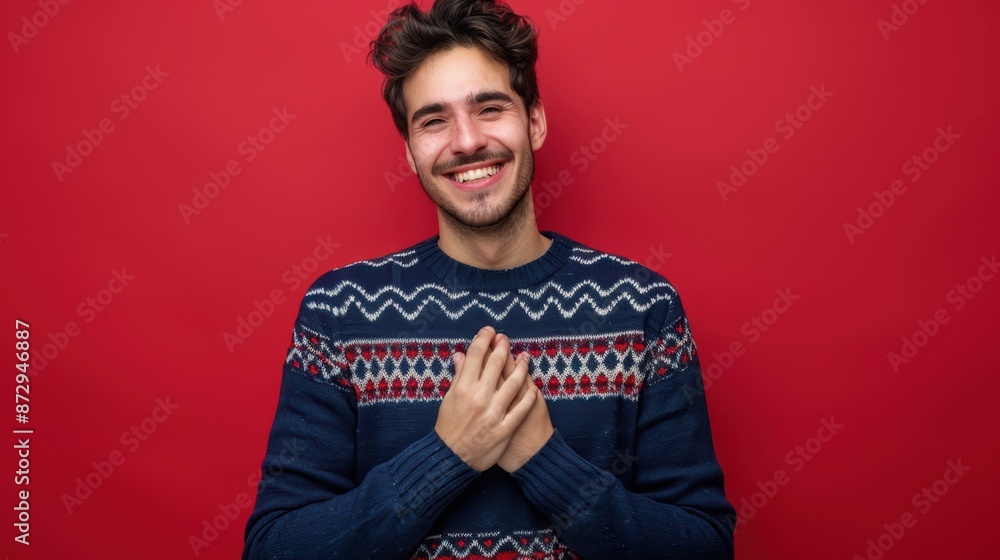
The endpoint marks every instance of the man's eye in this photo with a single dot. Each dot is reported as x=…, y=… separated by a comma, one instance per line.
x=433, y=122
x=492, y=109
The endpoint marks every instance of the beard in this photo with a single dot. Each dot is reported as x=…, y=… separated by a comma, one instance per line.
x=499, y=220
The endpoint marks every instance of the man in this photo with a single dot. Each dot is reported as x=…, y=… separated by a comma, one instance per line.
x=493, y=391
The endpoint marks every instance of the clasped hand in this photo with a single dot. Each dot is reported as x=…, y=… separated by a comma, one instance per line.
x=493, y=414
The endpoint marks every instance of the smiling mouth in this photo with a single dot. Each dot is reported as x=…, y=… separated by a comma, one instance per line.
x=476, y=174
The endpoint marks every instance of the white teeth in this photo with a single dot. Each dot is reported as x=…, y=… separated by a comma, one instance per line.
x=474, y=174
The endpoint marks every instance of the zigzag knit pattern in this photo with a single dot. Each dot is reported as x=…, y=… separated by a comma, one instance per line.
x=537, y=545
x=550, y=298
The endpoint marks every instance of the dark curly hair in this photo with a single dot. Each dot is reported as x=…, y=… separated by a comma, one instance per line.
x=410, y=36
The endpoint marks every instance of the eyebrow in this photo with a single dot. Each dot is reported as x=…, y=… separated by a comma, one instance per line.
x=472, y=99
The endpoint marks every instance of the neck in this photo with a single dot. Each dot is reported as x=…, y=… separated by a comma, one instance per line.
x=512, y=242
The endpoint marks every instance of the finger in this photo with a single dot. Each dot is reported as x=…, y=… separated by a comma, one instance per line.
x=495, y=361
x=458, y=359
x=508, y=364
x=520, y=410
x=527, y=379
x=525, y=387
x=511, y=388
x=478, y=351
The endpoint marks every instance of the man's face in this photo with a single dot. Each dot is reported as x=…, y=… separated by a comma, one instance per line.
x=471, y=140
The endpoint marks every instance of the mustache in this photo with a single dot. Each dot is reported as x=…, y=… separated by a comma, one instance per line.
x=478, y=157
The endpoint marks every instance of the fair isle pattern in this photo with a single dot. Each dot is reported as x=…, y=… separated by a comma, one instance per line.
x=673, y=350
x=563, y=368
x=534, y=302
x=536, y=545
x=315, y=354
x=599, y=366
x=384, y=370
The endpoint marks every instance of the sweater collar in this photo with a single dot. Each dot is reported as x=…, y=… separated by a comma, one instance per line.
x=460, y=276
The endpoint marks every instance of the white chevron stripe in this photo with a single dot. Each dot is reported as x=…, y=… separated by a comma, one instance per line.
x=540, y=541
x=534, y=294
x=388, y=259
x=404, y=295
x=609, y=337
x=372, y=315
x=598, y=256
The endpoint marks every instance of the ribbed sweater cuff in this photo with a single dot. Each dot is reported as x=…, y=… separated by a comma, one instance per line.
x=561, y=483
x=427, y=476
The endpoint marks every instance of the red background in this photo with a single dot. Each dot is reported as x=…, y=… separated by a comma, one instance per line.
x=653, y=188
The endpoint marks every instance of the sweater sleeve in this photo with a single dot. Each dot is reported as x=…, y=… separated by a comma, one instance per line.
x=309, y=505
x=678, y=508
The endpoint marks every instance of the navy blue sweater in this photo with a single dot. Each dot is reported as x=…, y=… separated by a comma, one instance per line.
x=354, y=468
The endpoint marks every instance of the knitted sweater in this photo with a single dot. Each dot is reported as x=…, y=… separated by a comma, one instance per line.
x=354, y=468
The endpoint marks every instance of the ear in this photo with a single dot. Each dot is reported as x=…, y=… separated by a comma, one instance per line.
x=409, y=156
x=536, y=125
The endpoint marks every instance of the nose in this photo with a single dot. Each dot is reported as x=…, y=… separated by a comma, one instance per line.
x=467, y=135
